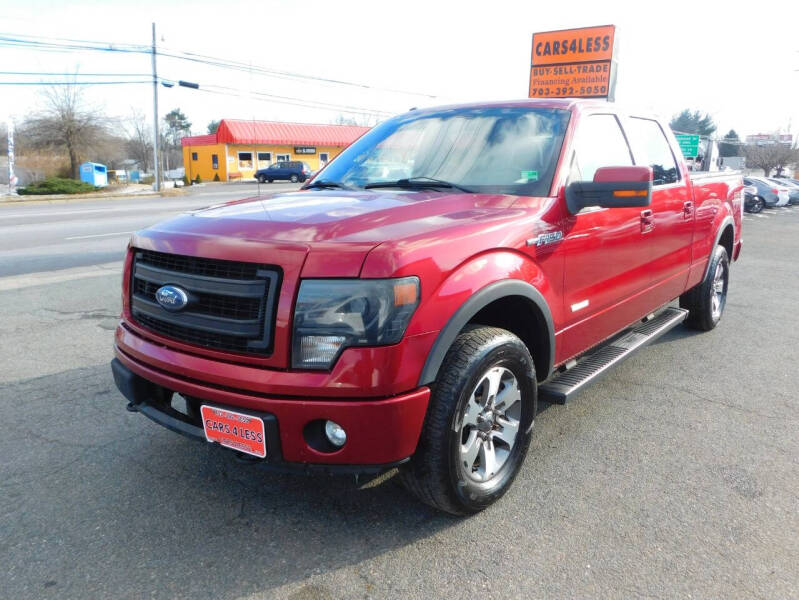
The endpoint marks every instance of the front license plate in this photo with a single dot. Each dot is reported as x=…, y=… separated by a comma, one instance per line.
x=235, y=430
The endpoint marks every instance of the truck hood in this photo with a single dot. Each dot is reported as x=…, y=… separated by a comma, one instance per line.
x=326, y=216
x=335, y=228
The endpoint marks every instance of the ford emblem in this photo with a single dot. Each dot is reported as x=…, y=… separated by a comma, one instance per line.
x=171, y=297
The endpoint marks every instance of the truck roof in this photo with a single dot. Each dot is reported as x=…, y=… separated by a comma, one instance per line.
x=562, y=103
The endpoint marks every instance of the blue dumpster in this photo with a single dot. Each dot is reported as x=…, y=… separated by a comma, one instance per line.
x=94, y=173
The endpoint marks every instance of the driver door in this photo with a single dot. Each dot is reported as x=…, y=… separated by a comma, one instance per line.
x=606, y=250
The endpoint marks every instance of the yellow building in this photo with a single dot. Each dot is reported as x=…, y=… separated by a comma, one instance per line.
x=239, y=148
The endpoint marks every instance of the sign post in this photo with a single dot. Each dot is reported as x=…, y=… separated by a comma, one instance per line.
x=689, y=144
x=574, y=63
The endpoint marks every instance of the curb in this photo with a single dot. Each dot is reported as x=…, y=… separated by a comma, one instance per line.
x=66, y=198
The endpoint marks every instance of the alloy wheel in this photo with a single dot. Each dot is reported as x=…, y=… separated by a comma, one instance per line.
x=718, y=291
x=490, y=424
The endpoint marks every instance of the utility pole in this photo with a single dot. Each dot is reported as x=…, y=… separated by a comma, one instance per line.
x=155, y=121
x=12, y=178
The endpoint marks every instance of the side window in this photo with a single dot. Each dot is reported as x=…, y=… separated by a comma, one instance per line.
x=650, y=147
x=600, y=143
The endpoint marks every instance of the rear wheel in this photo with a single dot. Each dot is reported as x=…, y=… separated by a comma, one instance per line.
x=706, y=301
x=757, y=205
x=270, y=180
x=478, y=425
x=294, y=178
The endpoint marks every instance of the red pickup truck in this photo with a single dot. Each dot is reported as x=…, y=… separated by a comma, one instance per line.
x=411, y=304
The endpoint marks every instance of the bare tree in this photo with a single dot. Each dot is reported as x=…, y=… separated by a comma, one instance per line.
x=140, y=141
x=67, y=123
x=360, y=119
x=770, y=156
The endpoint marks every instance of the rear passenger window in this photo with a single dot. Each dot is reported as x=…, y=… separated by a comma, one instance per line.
x=650, y=147
x=600, y=143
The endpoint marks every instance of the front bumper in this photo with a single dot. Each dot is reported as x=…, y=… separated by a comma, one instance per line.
x=381, y=433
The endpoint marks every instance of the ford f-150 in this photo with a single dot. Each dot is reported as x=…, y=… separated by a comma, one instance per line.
x=412, y=303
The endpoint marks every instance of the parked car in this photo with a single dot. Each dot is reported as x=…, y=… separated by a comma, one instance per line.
x=752, y=202
x=770, y=193
x=292, y=170
x=368, y=323
x=793, y=188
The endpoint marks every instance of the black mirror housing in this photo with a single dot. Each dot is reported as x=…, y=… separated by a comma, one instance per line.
x=612, y=187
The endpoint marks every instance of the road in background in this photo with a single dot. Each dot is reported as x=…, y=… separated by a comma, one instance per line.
x=39, y=236
x=676, y=476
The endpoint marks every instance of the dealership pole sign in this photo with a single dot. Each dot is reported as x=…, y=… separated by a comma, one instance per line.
x=574, y=63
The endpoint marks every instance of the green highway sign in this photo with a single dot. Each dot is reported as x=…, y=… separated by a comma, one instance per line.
x=689, y=144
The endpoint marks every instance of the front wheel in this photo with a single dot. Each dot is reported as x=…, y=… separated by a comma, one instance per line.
x=706, y=301
x=294, y=179
x=479, y=423
x=262, y=179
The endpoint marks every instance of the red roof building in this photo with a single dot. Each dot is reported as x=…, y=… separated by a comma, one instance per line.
x=239, y=148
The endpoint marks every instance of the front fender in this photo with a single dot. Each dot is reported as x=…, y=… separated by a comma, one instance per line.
x=474, y=285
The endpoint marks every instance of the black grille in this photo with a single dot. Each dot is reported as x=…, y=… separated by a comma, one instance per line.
x=192, y=336
x=208, y=267
x=231, y=304
x=208, y=304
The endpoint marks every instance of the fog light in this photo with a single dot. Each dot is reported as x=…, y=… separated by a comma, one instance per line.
x=335, y=434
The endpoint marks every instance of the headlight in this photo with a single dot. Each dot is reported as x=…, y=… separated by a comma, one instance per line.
x=333, y=314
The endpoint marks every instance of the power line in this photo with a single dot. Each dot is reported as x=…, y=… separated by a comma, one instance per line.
x=69, y=82
x=80, y=73
x=239, y=66
x=290, y=98
x=331, y=107
x=60, y=39
x=69, y=45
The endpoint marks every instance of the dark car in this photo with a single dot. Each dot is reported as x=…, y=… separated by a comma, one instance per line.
x=767, y=194
x=292, y=170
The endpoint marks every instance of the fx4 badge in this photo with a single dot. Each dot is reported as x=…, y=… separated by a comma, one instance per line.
x=546, y=238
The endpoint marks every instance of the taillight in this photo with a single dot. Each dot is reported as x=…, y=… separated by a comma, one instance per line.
x=775, y=191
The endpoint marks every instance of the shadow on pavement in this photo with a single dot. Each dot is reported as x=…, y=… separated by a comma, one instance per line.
x=102, y=501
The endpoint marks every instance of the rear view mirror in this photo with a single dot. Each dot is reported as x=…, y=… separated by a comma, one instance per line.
x=612, y=187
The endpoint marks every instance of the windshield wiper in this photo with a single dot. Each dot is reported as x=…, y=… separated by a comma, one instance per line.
x=417, y=183
x=323, y=184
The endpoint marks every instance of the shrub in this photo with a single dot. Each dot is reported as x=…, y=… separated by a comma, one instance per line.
x=216, y=177
x=186, y=180
x=198, y=179
x=56, y=185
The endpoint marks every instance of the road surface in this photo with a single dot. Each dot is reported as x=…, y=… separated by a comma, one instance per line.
x=675, y=477
x=37, y=237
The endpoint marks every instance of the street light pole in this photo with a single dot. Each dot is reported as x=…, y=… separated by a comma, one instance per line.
x=155, y=121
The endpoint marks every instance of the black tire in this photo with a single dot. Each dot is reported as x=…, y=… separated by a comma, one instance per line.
x=262, y=179
x=757, y=205
x=436, y=474
x=270, y=180
x=294, y=178
x=699, y=299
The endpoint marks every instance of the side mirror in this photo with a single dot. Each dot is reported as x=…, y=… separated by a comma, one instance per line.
x=612, y=187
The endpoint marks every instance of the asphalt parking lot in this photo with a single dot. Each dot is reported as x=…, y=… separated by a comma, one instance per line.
x=676, y=476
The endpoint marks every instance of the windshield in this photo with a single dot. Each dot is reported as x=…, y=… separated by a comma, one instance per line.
x=487, y=150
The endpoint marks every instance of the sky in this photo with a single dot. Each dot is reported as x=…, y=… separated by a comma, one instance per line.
x=737, y=61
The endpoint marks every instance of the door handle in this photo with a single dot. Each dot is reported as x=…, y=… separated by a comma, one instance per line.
x=687, y=209
x=647, y=222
